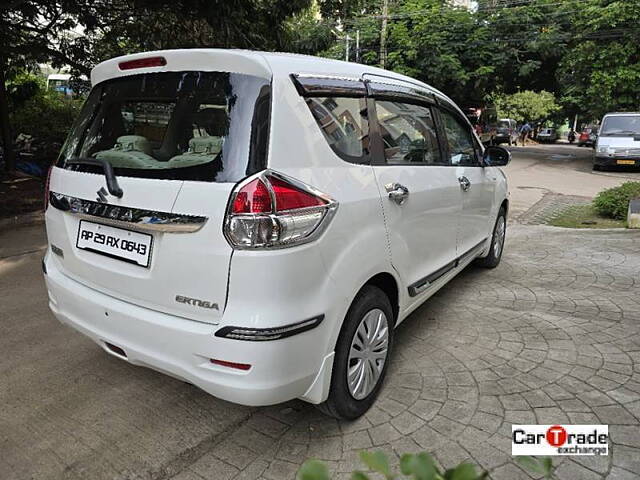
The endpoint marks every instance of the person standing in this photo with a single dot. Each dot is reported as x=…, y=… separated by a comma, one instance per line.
x=525, y=130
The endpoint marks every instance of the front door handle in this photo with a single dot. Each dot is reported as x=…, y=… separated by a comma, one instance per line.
x=465, y=184
x=397, y=192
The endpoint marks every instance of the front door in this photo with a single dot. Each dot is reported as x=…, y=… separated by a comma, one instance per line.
x=476, y=183
x=420, y=193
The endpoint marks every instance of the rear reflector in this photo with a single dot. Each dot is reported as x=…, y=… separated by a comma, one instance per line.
x=263, y=334
x=143, y=63
x=237, y=366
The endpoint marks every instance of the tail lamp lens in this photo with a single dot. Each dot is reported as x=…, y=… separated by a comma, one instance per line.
x=289, y=197
x=253, y=198
x=272, y=211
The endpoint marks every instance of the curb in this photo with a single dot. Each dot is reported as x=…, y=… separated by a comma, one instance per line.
x=32, y=218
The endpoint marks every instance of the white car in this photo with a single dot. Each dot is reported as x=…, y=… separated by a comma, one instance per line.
x=618, y=142
x=547, y=135
x=258, y=224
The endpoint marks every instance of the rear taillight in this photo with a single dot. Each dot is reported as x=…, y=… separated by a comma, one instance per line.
x=271, y=210
x=46, y=189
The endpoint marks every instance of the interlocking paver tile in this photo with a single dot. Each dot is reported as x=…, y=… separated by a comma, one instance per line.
x=550, y=336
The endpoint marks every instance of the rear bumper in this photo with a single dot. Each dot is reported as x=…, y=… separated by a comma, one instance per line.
x=607, y=161
x=281, y=369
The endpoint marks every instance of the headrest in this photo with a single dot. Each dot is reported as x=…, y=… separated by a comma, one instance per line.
x=205, y=145
x=133, y=143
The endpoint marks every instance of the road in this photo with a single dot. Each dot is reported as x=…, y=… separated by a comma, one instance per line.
x=550, y=336
x=556, y=168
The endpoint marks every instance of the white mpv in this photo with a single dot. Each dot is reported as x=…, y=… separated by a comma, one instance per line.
x=258, y=224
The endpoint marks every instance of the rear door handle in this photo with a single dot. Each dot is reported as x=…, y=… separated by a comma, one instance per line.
x=465, y=184
x=397, y=192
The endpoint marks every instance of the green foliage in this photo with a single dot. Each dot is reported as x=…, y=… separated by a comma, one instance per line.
x=313, y=470
x=585, y=53
x=614, y=202
x=602, y=72
x=527, y=106
x=583, y=216
x=420, y=466
x=45, y=115
x=378, y=462
x=540, y=466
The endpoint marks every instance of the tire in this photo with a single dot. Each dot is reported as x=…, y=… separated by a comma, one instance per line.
x=342, y=403
x=597, y=168
x=492, y=260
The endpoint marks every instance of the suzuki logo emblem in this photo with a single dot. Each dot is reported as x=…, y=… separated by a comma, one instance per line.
x=102, y=195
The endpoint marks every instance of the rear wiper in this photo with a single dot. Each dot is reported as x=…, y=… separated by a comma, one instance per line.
x=112, y=181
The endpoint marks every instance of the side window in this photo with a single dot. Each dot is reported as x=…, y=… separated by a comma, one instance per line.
x=344, y=123
x=408, y=133
x=460, y=140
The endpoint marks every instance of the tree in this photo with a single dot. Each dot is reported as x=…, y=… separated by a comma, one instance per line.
x=588, y=55
x=81, y=33
x=527, y=106
x=601, y=73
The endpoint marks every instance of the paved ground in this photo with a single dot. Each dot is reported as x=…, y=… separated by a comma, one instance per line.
x=550, y=336
x=558, y=168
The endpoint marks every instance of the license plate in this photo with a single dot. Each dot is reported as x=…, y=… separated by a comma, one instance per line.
x=132, y=247
x=626, y=162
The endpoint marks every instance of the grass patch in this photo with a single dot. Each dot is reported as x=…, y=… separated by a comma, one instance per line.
x=584, y=216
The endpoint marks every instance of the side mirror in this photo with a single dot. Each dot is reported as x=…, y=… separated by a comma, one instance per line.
x=495, y=156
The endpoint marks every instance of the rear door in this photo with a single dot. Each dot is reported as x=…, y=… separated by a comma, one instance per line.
x=476, y=184
x=178, y=143
x=420, y=193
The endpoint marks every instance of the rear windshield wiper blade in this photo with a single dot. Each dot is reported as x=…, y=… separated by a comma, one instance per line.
x=112, y=181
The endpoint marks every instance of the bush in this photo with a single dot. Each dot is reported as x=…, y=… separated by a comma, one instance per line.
x=614, y=202
x=47, y=116
x=420, y=466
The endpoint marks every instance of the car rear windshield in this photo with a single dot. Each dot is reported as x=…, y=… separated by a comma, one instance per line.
x=203, y=126
x=623, y=125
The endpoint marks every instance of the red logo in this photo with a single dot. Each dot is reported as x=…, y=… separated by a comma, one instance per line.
x=556, y=436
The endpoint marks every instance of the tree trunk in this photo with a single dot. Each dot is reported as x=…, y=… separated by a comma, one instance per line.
x=7, y=138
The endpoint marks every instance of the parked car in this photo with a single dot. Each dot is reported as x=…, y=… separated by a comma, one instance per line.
x=618, y=142
x=485, y=123
x=257, y=224
x=547, y=135
x=588, y=137
x=506, y=132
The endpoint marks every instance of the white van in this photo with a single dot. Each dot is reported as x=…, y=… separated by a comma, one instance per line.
x=506, y=132
x=618, y=142
x=258, y=224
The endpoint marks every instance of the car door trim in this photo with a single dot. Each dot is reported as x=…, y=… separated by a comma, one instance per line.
x=425, y=282
x=328, y=86
x=126, y=217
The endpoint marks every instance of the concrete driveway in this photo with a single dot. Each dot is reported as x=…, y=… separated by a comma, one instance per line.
x=537, y=170
x=550, y=336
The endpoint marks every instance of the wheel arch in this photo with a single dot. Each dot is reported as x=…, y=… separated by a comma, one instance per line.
x=505, y=205
x=389, y=285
